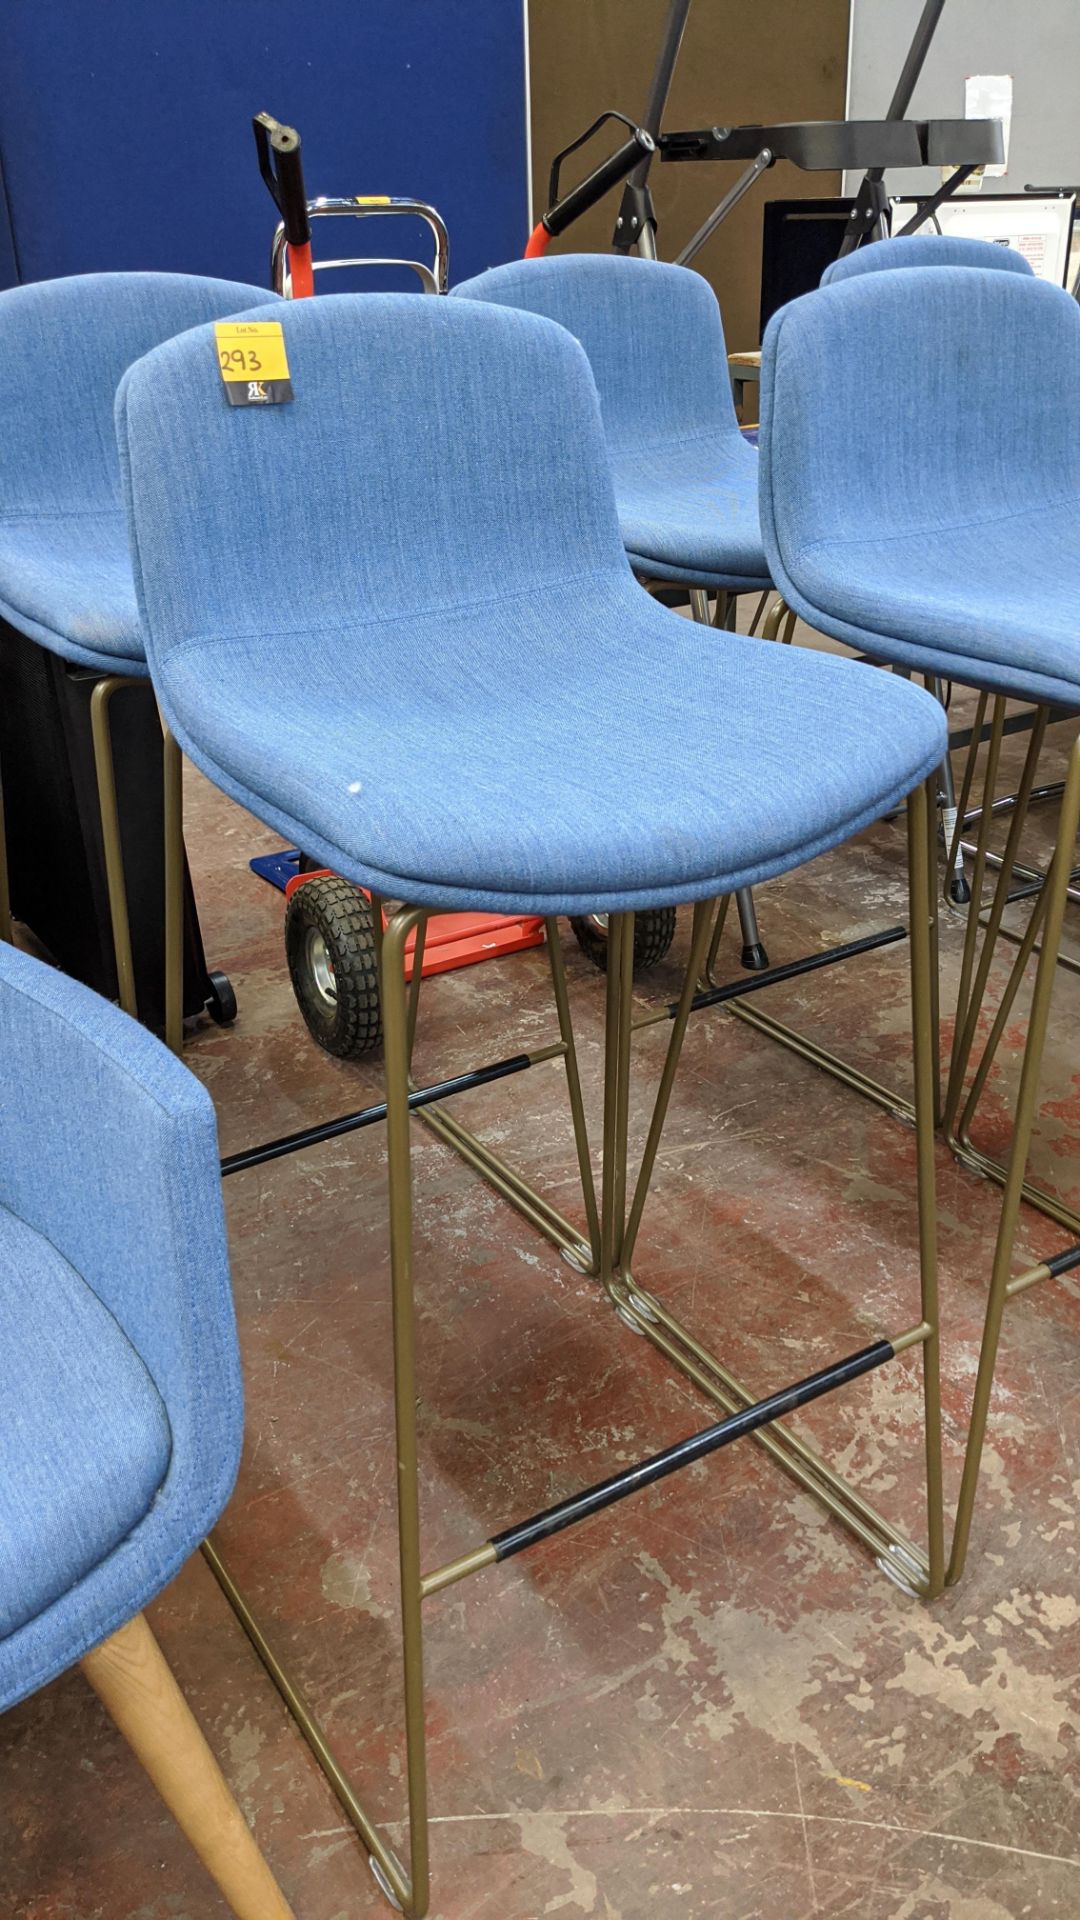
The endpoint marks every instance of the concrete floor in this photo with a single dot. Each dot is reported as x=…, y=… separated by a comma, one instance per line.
x=706, y=1702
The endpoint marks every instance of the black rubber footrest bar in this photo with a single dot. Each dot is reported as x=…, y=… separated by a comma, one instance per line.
x=793, y=970
x=567, y=1513
x=367, y=1116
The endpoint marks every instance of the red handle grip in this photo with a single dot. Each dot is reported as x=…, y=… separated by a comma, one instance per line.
x=301, y=272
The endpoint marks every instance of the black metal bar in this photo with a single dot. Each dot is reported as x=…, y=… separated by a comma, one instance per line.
x=367, y=1116
x=1015, y=723
x=1063, y=1262
x=285, y=182
x=869, y=202
x=567, y=1513
x=663, y=73
x=814, y=145
x=636, y=222
x=927, y=209
x=823, y=146
x=916, y=59
x=734, y=989
x=724, y=207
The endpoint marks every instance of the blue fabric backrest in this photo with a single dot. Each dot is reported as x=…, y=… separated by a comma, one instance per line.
x=436, y=453
x=926, y=250
x=108, y=1147
x=64, y=345
x=896, y=402
x=652, y=332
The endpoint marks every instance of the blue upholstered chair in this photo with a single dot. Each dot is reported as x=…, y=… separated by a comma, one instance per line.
x=121, y=1409
x=933, y=250
x=421, y=653
x=934, y=523
x=685, y=477
x=65, y=572
x=925, y=250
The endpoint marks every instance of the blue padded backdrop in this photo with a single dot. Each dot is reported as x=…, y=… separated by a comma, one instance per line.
x=125, y=128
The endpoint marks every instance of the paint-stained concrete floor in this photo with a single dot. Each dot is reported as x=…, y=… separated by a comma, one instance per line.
x=706, y=1702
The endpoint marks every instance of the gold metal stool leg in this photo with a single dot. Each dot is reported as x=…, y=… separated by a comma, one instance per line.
x=754, y=955
x=1001, y=1286
x=397, y=1027
x=912, y=1568
x=612, y=1235
x=407, y=1890
x=173, y=774
x=100, y=702
x=5, y=891
x=980, y=944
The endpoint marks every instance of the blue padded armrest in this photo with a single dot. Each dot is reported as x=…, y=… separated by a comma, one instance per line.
x=108, y=1147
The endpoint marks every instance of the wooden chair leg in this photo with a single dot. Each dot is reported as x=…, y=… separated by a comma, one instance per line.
x=132, y=1679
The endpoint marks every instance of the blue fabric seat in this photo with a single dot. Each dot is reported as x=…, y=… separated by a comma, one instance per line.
x=65, y=571
x=425, y=656
x=67, y=583
x=685, y=478
x=935, y=534
x=925, y=250
x=120, y=1399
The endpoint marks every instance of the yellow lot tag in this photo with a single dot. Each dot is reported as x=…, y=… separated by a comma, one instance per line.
x=371, y=200
x=253, y=362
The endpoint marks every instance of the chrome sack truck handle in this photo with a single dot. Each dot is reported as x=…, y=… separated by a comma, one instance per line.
x=433, y=279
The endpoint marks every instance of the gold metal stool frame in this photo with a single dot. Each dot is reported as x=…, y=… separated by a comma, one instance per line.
x=105, y=691
x=605, y=1249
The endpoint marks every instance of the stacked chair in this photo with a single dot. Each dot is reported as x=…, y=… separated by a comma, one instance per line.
x=932, y=520
x=65, y=570
x=926, y=250
x=685, y=477
x=471, y=705
x=119, y=1380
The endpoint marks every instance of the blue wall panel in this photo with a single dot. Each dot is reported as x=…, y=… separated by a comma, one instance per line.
x=125, y=125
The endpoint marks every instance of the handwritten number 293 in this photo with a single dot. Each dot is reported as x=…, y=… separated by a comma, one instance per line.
x=240, y=360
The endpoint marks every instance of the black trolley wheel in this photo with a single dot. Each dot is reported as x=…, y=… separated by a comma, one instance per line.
x=654, y=931
x=220, y=1002
x=330, y=948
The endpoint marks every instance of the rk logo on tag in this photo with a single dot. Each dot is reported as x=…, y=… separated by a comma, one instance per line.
x=253, y=363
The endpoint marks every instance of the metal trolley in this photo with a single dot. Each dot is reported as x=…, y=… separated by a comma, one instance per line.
x=331, y=940
x=433, y=279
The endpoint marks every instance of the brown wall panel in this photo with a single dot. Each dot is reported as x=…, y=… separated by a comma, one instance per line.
x=741, y=60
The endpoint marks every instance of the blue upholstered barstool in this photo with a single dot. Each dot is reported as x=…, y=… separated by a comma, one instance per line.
x=422, y=654
x=933, y=250
x=925, y=250
x=121, y=1410
x=65, y=570
x=685, y=477
x=935, y=524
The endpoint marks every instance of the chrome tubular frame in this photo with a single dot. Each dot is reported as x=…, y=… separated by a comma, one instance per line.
x=433, y=279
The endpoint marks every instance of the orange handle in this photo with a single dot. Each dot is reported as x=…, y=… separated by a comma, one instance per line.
x=301, y=272
x=539, y=240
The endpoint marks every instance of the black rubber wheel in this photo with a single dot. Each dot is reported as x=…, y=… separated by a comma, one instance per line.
x=220, y=1002
x=654, y=931
x=330, y=948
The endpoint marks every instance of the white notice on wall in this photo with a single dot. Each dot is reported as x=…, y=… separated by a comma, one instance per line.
x=988, y=96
